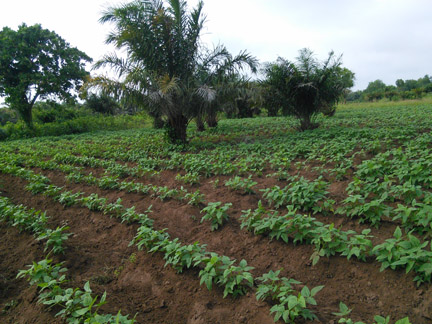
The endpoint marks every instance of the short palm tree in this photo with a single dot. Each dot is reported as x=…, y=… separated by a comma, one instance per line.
x=306, y=87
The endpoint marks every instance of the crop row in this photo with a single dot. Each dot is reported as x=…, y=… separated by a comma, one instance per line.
x=303, y=193
x=76, y=305
x=398, y=252
x=215, y=269
x=406, y=252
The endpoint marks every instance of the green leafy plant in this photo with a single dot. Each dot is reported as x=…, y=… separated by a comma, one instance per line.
x=289, y=304
x=222, y=271
x=150, y=239
x=68, y=198
x=94, y=202
x=216, y=214
x=189, y=178
x=43, y=273
x=195, y=198
x=55, y=239
x=344, y=311
x=237, y=279
x=181, y=256
x=19, y=216
x=409, y=253
x=242, y=184
x=301, y=193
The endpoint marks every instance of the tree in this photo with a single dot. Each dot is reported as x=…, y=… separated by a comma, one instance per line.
x=102, y=103
x=375, y=86
x=221, y=75
x=36, y=63
x=163, y=53
x=307, y=87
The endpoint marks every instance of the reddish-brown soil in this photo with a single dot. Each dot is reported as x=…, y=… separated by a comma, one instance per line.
x=138, y=283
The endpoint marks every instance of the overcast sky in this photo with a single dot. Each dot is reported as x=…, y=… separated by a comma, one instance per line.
x=379, y=39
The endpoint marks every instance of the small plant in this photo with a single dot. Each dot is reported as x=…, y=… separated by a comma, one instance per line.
x=36, y=187
x=68, y=198
x=109, y=182
x=237, y=279
x=115, y=209
x=118, y=170
x=344, y=311
x=222, y=271
x=150, y=239
x=52, y=191
x=55, y=238
x=241, y=184
x=164, y=192
x=359, y=245
x=271, y=285
x=215, y=183
x=252, y=219
x=181, y=256
x=372, y=212
x=189, y=178
x=24, y=219
x=289, y=304
x=77, y=306
x=195, y=198
x=328, y=240
x=301, y=193
x=94, y=202
x=75, y=177
x=43, y=273
x=215, y=213
x=132, y=258
x=9, y=306
x=409, y=253
x=130, y=215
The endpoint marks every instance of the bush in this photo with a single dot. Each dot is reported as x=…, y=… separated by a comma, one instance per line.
x=3, y=134
x=74, y=126
x=103, y=104
x=7, y=115
x=50, y=112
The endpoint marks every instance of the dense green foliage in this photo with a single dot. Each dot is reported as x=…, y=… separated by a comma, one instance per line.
x=81, y=124
x=36, y=63
x=103, y=104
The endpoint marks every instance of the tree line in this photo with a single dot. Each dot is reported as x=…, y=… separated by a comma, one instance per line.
x=167, y=71
x=402, y=90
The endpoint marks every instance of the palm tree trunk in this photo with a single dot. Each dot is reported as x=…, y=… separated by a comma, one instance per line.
x=177, y=129
x=200, y=123
x=212, y=119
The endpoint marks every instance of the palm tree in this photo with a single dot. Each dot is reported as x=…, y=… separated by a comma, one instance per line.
x=220, y=74
x=306, y=87
x=163, y=60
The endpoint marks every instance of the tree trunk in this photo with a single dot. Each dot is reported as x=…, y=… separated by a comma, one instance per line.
x=158, y=122
x=306, y=123
x=176, y=129
x=25, y=112
x=200, y=123
x=212, y=119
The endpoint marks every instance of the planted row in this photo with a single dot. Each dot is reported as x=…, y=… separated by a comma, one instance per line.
x=399, y=252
